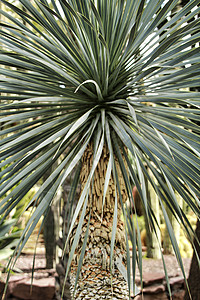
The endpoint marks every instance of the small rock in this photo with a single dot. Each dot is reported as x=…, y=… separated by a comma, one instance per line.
x=151, y=278
x=41, y=289
x=154, y=289
x=160, y=296
x=177, y=282
x=179, y=295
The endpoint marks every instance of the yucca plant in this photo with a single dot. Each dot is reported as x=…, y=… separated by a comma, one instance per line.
x=100, y=88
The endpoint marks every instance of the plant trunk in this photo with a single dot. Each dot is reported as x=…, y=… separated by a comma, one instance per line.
x=96, y=281
x=194, y=274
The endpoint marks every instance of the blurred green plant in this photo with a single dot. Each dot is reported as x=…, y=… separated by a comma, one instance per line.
x=12, y=226
x=9, y=237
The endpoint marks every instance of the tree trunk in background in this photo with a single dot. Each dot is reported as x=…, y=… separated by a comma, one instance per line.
x=153, y=241
x=95, y=277
x=194, y=275
x=175, y=224
x=167, y=245
x=61, y=266
x=50, y=239
x=51, y=228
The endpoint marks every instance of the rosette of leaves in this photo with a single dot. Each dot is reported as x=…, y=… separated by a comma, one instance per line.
x=102, y=73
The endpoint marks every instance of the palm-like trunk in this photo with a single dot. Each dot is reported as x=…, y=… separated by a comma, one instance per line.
x=95, y=277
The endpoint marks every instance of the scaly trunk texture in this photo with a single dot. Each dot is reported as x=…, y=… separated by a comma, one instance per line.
x=95, y=277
